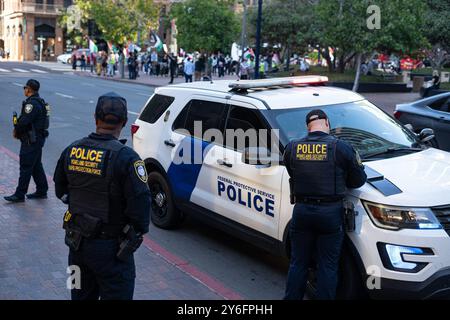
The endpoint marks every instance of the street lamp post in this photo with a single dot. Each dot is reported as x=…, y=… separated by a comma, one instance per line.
x=244, y=29
x=41, y=45
x=258, y=38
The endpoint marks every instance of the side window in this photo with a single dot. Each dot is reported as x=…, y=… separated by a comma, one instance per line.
x=209, y=114
x=156, y=107
x=441, y=104
x=245, y=129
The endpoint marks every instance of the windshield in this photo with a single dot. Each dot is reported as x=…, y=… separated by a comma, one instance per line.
x=367, y=128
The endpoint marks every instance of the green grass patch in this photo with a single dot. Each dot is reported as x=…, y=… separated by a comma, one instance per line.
x=445, y=86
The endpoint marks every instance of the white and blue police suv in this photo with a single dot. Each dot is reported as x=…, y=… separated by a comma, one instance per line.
x=400, y=247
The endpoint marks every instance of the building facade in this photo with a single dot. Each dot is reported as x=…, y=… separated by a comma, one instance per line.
x=29, y=29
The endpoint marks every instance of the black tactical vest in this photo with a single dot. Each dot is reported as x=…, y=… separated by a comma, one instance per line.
x=316, y=173
x=90, y=172
x=43, y=122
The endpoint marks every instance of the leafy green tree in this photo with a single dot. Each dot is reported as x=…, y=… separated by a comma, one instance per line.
x=344, y=25
x=205, y=25
x=437, y=29
x=120, y=20
x=285, y=22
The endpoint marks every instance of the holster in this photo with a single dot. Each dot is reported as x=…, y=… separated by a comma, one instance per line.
x=78, y=227
x=130, y=242
x=73, y=239
x=349, y=216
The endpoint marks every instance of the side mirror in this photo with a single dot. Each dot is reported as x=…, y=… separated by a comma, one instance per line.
x=410, y=127
x=259, y=156
x=426, y=135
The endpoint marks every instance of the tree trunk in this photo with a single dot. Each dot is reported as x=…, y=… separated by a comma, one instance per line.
x=358, y=72
x=288, y=57
x=326, y=55
x=342, y=63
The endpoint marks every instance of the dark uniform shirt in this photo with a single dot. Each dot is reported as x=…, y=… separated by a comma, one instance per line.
x=33, y=114
x=346, y=158
x=133, y=206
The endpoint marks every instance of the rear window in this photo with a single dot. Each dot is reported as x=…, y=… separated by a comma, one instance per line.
x=156, y=107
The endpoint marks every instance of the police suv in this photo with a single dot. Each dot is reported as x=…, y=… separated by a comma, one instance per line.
x=400, y=246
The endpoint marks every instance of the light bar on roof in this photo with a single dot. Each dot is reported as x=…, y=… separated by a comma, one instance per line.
x=275, y=82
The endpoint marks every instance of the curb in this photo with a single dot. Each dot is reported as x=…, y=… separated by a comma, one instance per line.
x=79, y=74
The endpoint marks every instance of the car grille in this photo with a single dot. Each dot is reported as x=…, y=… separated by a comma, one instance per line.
x=443, y=215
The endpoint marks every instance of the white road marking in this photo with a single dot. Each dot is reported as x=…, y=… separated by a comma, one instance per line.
x=38, y=71
x=134, y=113
x=20, y=70
x=64, y=95
x=17, y=84
x=4, y=70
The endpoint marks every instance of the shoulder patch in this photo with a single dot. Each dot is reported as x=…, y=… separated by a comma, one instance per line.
x=28, y=108
x=141, y=172
x=358, y=158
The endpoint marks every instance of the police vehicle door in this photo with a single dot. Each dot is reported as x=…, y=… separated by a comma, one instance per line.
x=248, y=194
x=193, y=137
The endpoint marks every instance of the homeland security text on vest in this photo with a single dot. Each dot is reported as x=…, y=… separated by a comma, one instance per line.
x=88, y=161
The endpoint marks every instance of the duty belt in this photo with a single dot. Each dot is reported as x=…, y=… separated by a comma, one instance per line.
x=317, y=201
x=109, y=232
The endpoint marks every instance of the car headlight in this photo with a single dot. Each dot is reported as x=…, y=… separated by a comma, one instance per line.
x=396, y=218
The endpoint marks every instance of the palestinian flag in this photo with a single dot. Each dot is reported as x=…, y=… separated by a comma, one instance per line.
x=159, y=45
x=92, y=46
x=249, y=53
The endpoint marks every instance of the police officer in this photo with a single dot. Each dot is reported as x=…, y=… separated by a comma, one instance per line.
x=321, y=168
x=105, y=185
x=32, y=130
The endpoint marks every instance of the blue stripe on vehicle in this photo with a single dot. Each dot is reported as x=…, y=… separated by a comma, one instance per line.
x=184, y=170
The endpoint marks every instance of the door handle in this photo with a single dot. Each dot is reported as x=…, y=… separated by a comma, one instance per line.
x=169, y=143
x=224, y=163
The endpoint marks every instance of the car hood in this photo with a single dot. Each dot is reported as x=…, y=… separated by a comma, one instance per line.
x=423, y=179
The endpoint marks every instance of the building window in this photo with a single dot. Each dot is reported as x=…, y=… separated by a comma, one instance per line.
x=13, y=32
x=7, y=31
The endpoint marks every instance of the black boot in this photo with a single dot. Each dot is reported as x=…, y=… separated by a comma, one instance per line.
x=37, y=196
x=14, y=199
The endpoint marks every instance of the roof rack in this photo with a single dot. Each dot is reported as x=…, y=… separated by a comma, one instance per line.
x=244, y=85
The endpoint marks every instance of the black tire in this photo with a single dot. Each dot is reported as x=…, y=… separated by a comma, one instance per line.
x=350, y=284
x=164, y=214
x=69, y=61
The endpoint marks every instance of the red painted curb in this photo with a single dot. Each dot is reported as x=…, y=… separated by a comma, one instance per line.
x=192, y=271
x=181, y=264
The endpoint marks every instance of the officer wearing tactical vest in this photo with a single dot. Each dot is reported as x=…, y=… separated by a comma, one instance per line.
x=321, y=167
x=31, y=128
x=105, y=184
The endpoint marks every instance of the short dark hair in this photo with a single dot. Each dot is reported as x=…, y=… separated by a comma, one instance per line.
x=33, y=85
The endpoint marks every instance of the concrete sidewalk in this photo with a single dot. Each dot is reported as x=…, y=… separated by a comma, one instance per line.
x=144, y=79
x=33, y=256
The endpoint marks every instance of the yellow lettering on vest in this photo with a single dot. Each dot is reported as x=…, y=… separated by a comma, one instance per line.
x=99, y=156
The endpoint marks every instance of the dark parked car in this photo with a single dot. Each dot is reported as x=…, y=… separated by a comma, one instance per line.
x=433, y=113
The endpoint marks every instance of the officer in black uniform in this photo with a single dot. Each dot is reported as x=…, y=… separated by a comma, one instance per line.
x=32, y=130
x=321, y=167
x=105, y=184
